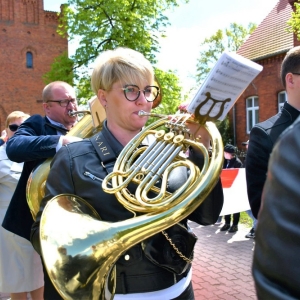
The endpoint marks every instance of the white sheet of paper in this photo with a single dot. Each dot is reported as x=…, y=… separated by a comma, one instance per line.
x=227, y=80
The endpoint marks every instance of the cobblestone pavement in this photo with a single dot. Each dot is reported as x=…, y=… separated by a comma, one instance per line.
x=222, y=264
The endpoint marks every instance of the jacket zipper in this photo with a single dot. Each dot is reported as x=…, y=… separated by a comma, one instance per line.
x=88, y=174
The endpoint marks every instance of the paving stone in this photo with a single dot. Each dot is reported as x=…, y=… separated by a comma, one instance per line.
x=222, y=264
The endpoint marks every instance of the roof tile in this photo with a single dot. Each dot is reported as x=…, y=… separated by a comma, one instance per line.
x=271, y=36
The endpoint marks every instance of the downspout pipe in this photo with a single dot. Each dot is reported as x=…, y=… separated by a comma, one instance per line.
x=234, y=125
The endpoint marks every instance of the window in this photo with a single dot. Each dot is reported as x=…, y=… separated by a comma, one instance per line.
x=281, y=99
x=29, y=60
x=252, y=112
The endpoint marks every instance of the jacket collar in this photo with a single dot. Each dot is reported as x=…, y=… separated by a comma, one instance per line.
x=292, y=111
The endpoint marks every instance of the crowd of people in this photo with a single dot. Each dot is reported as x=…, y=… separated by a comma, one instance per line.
x=123, y=81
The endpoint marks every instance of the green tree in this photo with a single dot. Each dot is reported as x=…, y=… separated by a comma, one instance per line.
x=294, y=22
x=230, y=40
x=106, y=24
x=171, y=92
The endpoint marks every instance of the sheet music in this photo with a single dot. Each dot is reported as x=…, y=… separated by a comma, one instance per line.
x=225, y=83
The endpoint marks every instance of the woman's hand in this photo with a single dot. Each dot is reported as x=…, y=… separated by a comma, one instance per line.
x=196, y=129
x=199, y=132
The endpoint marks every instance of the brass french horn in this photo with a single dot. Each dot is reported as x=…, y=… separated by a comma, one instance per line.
x=71, y=230
x=88, y=125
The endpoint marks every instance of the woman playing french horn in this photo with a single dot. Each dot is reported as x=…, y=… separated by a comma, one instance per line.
x=124, y=83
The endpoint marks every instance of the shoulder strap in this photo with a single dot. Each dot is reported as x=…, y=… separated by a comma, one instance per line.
x=104, y=151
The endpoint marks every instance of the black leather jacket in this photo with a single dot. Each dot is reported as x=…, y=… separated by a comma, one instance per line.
x=276, y=259
x=74, y=170
x=262, y=139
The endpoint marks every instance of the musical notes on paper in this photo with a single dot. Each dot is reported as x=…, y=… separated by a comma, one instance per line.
x=224, y=84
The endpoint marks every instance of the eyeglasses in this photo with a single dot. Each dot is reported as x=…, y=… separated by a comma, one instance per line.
x=63, y=103
x=295, y=73
x=13, y=127
x=132, y=92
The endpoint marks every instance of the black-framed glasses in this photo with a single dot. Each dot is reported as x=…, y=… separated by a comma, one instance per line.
x=64, y=102
x=13, y=127
x=295, y=73
x=132, y=92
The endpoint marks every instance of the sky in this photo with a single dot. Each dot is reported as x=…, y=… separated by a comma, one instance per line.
x=193, y=22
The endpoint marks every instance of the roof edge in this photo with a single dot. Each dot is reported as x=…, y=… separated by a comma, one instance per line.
x=271, y=54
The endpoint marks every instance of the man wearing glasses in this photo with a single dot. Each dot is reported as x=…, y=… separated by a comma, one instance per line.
x=37, y=139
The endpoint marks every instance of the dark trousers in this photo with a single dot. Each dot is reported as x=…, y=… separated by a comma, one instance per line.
x=236, y=219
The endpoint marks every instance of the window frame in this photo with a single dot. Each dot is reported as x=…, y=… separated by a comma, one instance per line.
x=29, y=60
x=252, y=113
x=281, y=96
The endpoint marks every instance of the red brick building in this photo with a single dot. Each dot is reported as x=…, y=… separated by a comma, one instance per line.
x=29, y=44
x=266, y=46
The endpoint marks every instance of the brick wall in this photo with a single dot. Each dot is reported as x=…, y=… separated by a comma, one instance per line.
x=25, y=26
x=266, y=86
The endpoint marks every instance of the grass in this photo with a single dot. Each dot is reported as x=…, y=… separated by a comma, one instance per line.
x=245, y=219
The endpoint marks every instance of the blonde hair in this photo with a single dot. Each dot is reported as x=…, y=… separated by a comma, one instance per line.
x=121, y=64
x=15, y=115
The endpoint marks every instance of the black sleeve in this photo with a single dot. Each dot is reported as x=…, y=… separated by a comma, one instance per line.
x=33, y=141
x=208, y=212
x=258, y=154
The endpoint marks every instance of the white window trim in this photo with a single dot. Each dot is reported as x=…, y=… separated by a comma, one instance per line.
x=252, y=108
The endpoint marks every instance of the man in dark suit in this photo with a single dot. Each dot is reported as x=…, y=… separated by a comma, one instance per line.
x=37, y=139
x=264, y=135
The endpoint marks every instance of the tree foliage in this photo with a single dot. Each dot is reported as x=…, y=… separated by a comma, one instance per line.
x=294, y=21
x=230, y=40
x=100, y=25
x=171, y=92
x=61, y=69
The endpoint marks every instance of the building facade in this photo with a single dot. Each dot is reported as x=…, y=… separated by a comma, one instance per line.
x=266, y=46
x=29, y=44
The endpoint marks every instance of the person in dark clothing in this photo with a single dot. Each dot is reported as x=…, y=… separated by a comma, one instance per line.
x=276, y=258
x=231, y=161
x=264, y=135
x=251, y=233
